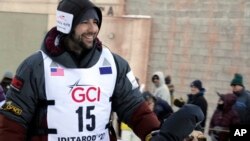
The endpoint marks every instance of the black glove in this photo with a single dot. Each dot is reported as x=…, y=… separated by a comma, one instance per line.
x=180, y=124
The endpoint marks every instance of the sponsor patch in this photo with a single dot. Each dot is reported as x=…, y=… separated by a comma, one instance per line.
x=8, y=106
x=17, y=83
x=105, y=70
x=64, y=21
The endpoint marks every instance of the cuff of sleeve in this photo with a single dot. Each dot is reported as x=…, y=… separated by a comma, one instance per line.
x=11, y=130
x=143, y=121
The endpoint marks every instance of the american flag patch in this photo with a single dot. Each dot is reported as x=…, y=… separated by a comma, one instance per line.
x=105, y=70
x=57, y=71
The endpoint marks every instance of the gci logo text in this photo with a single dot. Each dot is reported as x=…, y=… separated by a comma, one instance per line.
x=86, y=93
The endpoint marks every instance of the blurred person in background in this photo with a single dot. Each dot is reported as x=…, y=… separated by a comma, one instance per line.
x=168, y=82
x=161, y=90
x=161, y=108
x=196, y=97
x=242, y=104
x=223, y=118
x=6, y=81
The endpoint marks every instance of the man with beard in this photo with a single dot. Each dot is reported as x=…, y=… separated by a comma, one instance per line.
x=67, y=90
x=242, y=105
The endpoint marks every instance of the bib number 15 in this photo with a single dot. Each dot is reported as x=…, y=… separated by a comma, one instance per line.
x=89, y=116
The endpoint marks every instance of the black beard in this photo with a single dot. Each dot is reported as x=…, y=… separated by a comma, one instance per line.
x=75, y=45
x=80, y=42
x=236, y=92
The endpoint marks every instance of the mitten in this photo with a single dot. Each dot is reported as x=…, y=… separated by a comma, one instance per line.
x=180, y=124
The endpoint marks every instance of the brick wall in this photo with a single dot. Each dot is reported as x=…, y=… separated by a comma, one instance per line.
x=196, y=39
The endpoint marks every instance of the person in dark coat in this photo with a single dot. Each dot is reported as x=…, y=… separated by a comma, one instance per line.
x=168, y=82
x=160, y=107
x=242, y=104
x=164, y=111
x=223, y=117
x=196, y=97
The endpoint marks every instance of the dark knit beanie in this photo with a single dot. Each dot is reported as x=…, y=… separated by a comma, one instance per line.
x=89, y=14
x=80, y=9
x=197, y=84
x=237, y=80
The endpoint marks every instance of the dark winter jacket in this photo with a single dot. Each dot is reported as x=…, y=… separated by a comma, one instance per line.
x=23, y=116
x=242, y=106
x=30, y=103
x=162, y=109
x=223, y=118
x=199, y=100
